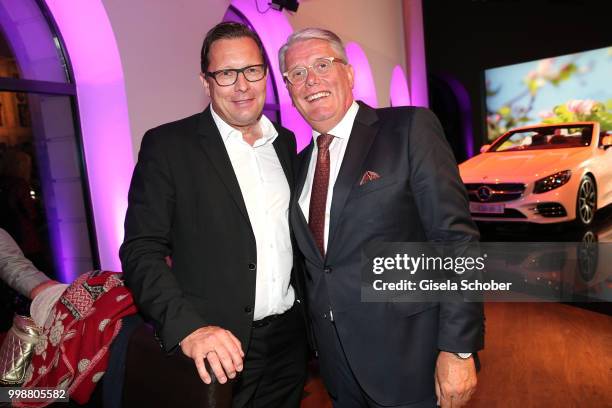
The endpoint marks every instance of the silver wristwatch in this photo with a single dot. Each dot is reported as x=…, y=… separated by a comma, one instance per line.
x=463, y=356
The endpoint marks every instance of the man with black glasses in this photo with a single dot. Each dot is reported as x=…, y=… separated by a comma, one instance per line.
x=207, y=250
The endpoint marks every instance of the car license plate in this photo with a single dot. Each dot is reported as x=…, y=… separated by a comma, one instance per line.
x=483, y=208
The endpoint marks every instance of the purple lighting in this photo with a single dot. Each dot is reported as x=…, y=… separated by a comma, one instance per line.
x=364, y=88
x=415, y=49
x=398, y=91
x=102, y=103
x=273, y=29
x=465, y=106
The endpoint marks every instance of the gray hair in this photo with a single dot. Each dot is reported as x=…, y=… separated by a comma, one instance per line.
x=311, y=34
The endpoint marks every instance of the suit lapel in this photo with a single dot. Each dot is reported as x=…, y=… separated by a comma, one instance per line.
x=301, y=229
x=217, y=154
x=362, y=135
x=303, y=170
x=282, y=152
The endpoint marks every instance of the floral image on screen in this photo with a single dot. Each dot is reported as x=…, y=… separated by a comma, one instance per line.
x=574, y=87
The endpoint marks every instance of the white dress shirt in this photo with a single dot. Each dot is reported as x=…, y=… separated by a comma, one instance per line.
x=341, y=133
x=265, y=191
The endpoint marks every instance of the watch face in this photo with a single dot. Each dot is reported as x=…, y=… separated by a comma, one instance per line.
x=464, y=355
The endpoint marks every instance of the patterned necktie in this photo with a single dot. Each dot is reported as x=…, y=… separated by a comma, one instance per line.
x=318, y=195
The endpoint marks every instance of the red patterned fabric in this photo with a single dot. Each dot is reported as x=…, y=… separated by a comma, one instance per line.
x=318, y=194
x=73, y=351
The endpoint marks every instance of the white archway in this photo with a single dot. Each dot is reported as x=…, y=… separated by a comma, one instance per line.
x=102, y=104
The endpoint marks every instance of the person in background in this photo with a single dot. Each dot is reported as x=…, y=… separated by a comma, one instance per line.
x=95, y=299
x=19, y=214
x=18, y=272
x=375, y=175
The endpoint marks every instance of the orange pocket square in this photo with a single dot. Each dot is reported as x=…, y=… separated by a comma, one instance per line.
x=368, y=176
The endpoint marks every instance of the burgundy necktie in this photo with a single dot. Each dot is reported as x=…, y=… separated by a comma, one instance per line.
x=318, y=195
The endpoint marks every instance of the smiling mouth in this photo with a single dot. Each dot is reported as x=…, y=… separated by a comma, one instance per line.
x=317, y=96
x=243, y=103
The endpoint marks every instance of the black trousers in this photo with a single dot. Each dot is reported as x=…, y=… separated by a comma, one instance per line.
x=275, y=364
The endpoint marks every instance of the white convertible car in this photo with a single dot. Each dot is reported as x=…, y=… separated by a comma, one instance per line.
x=542, y=174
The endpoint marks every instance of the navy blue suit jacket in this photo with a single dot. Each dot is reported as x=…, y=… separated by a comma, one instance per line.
x=419, y=197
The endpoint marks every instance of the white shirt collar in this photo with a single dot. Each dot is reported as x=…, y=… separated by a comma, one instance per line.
x=344, y=127
x=268, y=131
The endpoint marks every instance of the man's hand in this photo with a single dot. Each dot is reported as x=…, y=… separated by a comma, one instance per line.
x=455, y=380
x=222, y=349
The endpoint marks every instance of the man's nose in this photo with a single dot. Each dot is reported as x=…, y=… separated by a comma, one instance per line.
x=241, y=82
x=311, y=76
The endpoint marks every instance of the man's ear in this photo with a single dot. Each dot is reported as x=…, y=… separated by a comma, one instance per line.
x=351, y=75
x=205, y=84
x=287, y=85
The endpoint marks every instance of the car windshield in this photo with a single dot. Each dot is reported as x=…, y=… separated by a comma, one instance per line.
x=550, y=137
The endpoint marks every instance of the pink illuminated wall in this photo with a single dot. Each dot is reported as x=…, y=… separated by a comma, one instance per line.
x=273, y=39
x=415, y=51
x=399, y=94
x=364, y=88
x=273, y=28
x=102, y=104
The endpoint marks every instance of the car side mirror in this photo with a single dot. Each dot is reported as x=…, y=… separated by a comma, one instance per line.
x=606, y=141
x=485, y=148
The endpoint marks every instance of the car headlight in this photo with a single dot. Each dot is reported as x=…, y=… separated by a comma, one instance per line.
x=551, y=182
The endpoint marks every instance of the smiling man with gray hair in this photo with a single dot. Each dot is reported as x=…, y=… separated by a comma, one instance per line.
x=386, y=175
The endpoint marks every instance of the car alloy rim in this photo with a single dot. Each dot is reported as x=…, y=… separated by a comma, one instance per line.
x=588, y=256
x=586, y=201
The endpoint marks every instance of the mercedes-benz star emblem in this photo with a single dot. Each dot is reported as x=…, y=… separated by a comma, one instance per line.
x=484, y=193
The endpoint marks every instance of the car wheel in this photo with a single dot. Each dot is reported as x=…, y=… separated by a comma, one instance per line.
x=586, y=202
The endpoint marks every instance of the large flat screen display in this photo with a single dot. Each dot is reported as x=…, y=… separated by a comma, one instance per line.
x=573, y=87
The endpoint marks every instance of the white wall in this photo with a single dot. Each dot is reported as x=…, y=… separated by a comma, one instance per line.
x=159, y=43
x=377, y=26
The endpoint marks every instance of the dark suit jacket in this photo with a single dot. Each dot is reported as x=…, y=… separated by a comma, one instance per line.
x=419, y=197
x=185, y=202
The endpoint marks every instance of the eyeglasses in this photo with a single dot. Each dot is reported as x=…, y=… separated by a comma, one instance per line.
x=321, y=66
x=229, y=76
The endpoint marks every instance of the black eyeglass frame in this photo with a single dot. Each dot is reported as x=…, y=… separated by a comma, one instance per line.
x=213, y=74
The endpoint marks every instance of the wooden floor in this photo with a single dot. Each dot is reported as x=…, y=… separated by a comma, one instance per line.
x=536, y=355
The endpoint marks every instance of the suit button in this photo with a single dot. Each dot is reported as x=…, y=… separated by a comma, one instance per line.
x=327, y=270
x=252, y=266
x=159, y=341
x=248, y=309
